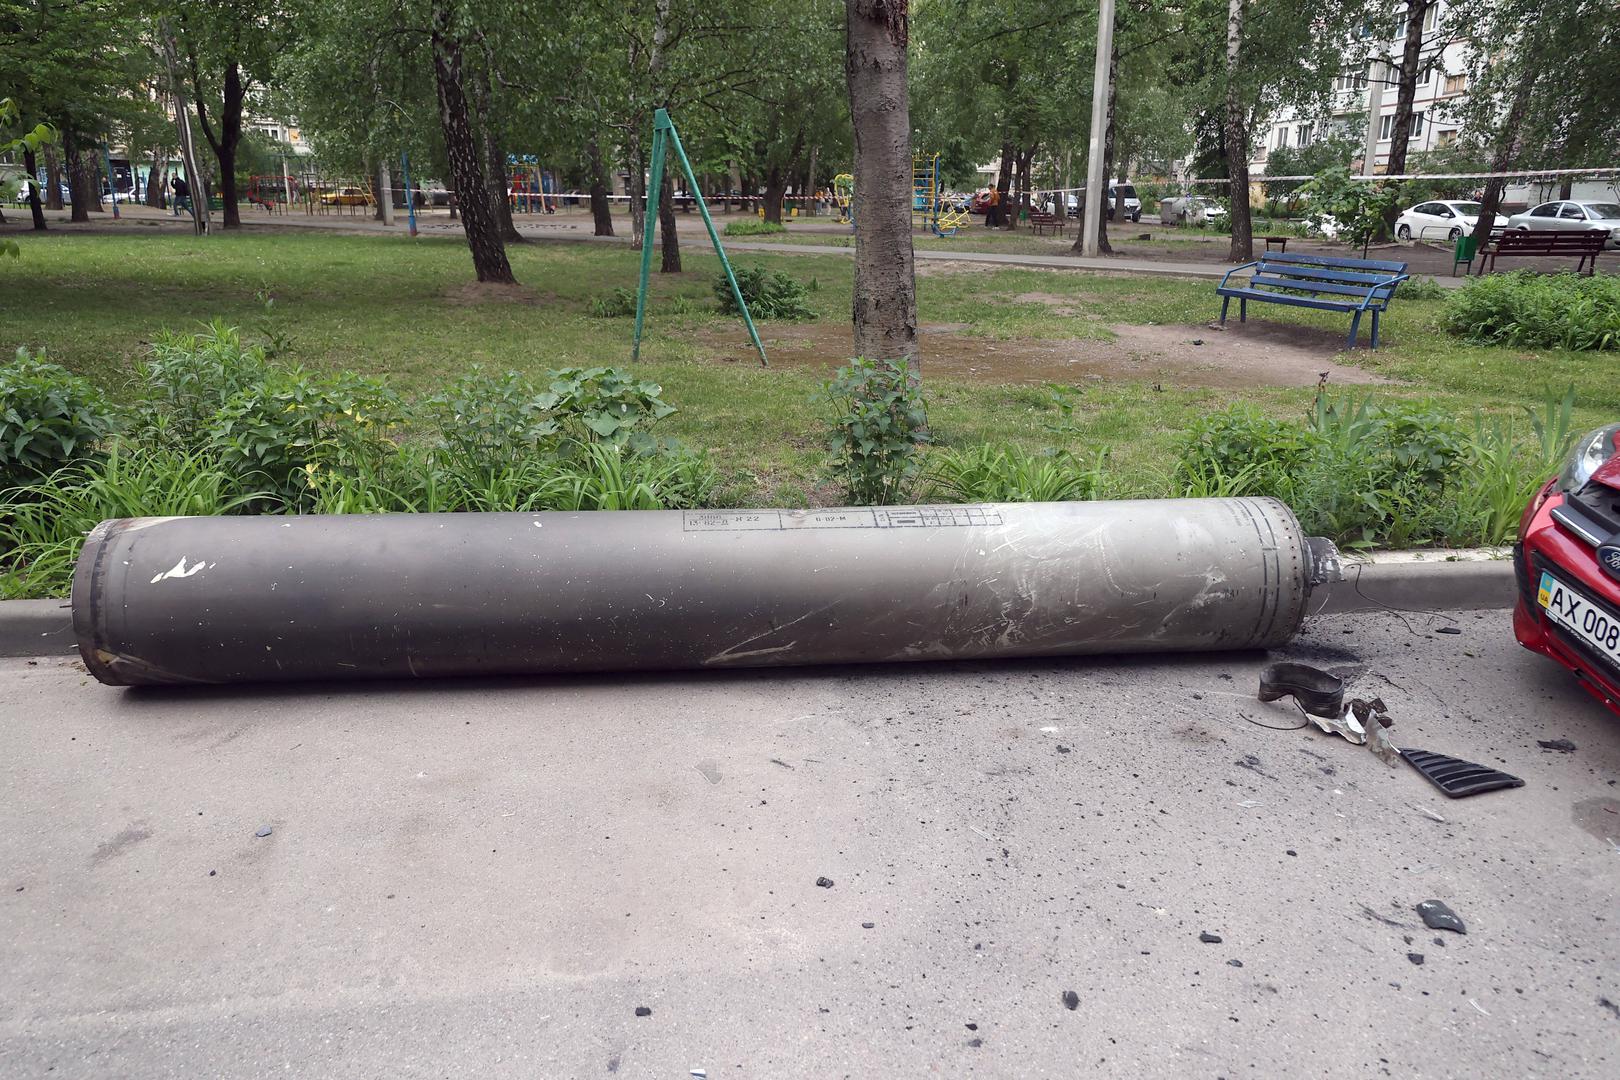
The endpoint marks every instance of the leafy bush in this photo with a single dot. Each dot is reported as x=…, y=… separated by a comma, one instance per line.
x=1009, y=474
x=619, y=303
x=1240, y=451
x=1420, y=288
x=280, y=434
x=484, y=422
x=186, y=378
x=1537, y=311
x=754, y=227
x=600, y=404
x=43, y=524
x=879, y=422
x=769, y=294
x=48, y=417
x=1397, y=474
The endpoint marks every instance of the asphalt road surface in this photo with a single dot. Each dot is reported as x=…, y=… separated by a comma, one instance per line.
x=489, y=879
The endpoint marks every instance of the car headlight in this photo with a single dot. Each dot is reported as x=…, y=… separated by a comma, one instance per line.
x=1590, y=452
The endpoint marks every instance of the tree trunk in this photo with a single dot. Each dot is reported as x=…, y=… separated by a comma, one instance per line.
x=229, y=136
x=1237, y=140
x=494, y=156
x=477, y=216
x=31, y=163
x=885, y=303
x=78, y=183
x=775, y=186
x=154, y=182
x=53, y=181
x=1508, y=141
x=601, y=209
x=669, y=242
x=638, y=183
x=1566, y=188
x=1400, y=131
x=737, y=186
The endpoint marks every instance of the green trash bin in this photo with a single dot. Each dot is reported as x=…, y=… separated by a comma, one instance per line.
x=1466, y=248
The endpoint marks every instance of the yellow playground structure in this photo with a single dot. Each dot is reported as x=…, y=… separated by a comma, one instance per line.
x=928, y=207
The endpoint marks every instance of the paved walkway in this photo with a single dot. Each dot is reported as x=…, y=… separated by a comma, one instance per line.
x=569, y=227
x=487, y=878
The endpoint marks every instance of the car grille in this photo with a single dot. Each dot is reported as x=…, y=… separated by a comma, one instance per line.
x=1592, y=513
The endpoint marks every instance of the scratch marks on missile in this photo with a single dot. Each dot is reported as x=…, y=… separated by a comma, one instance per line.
x=731, y=653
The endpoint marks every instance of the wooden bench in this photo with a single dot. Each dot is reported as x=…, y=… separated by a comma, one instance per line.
x=1585, y=244
x=1039, y=221
x=1357, y=286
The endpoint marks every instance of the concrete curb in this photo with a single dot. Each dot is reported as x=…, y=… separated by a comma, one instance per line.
x=1461, y=582
x=36, y=628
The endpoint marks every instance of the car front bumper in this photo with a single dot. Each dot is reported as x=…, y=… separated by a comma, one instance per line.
x=1547, y=546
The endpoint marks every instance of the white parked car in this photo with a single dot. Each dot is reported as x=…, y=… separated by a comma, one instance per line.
x=1596, y=216
x=1191, y=210
x=1439, y=220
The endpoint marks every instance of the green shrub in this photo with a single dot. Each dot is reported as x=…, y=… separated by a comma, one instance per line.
x=1420, y=288
x=1009, y=474
x=619, y=303
x=769, y=294
x=485, y=422
x=754, y=227
x=48, y=418
x=186, y=378
x=1537, y=311
x=879, y=422
x=43, y=524
x=588, y=405
x=1395, y=474
x=1240, y=451
x=280, y=434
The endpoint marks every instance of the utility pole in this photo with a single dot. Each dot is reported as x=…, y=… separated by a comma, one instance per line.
x=1377, y=72
x=1096, y=183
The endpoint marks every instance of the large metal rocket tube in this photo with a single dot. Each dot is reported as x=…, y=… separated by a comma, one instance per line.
x=235, y=599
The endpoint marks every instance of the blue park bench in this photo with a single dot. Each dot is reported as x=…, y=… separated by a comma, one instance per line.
x=1316, y=281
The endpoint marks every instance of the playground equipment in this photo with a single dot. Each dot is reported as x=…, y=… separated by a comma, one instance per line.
x=273, y=192
x=664, y=138
x=530, y=189
x=844, y=198
x=927, y=200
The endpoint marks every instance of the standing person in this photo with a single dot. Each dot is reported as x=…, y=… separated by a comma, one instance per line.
x=992, y=216
x=182, y=195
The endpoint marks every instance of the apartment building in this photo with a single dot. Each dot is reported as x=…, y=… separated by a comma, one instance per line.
x=1442, y=77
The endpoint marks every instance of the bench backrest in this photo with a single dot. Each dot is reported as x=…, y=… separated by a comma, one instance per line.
x=1553, y=240
x=1328, y=274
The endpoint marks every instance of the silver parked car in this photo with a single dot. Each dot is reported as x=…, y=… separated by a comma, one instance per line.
x=1551, y=216
x=1442, y=219
x=1191, y=210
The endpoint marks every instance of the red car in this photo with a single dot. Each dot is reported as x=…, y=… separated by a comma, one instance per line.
x=1567, y=563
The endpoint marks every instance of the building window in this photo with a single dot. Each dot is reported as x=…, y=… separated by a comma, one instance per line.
x=1431, y=18
x=1352, y=84
x=1386, y=125
x=1304, y=134
x=1446, y=138
x=1456, y=83
x=1282, y=137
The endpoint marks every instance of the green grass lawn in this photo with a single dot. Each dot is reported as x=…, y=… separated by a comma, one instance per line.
x=388, y=305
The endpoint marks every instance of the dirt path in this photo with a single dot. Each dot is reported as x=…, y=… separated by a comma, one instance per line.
x=1245, y=355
